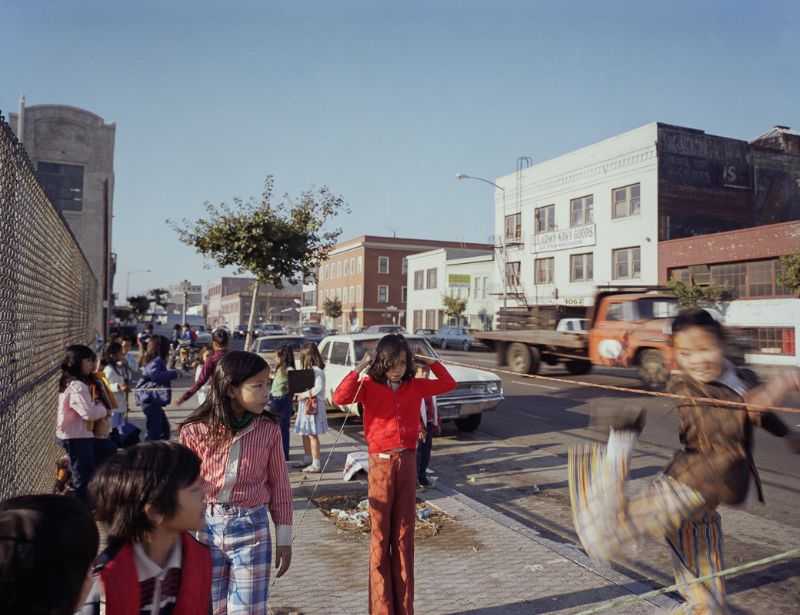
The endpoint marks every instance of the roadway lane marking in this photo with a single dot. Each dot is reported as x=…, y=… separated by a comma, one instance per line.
x=539, y=386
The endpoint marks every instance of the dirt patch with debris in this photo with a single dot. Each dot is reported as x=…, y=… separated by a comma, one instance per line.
x=350, y=513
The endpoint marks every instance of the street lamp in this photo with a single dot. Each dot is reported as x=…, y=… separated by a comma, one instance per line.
x=503, y=272
x=128, y=281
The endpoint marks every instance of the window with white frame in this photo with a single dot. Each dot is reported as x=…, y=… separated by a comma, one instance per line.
x=626, y=263
x=405, y=265
x=625, y=201
x=485, y=289
x=544, y=270
x=360, y=261
x=346, y=267
x=514, y=227
x=545, y=218
x=358, y=293
x=581, y=211
x=476, y=287
x=581, y=267
x=512, y=273
x=431, y=281
x=404, y=294
x=352, y=294
x=383, y=264
x=430, y=319
x=352, y=265
x=419, y=280
x=383, y=293
x=418, y=319
x=339, y=269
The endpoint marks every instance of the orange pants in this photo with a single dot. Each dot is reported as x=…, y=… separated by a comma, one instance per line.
x=392, y=511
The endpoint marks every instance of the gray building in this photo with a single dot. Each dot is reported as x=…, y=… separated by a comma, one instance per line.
x=72, y=151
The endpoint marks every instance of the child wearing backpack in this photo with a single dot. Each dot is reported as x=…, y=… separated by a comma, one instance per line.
x=149, y=498
x=244, y=480
x=391, y=398
x=154, y=388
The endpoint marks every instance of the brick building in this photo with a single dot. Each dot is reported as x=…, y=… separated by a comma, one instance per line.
x=747, y=262
x=229, y=300
x=368, y=275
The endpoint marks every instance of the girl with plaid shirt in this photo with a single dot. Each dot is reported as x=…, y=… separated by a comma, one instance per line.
x=244, y=478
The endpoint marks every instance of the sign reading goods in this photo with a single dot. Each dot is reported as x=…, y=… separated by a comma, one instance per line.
x=575, y=237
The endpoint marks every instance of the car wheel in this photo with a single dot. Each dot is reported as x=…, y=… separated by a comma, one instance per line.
x=469, y=423
x=443, y=344
x=466, y=346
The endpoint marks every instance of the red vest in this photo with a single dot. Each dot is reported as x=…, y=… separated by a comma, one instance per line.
x=120, y=581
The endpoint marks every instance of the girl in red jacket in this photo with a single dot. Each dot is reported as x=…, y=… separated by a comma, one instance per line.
x=391, y=397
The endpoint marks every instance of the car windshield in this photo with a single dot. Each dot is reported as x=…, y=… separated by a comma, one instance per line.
x=272, y=343
x=362, y=346
x=660, y=307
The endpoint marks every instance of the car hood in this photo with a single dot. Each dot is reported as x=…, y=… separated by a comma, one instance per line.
x=469, y=374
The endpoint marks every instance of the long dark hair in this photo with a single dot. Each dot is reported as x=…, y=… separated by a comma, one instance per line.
x=389, y=349
x=310, y=356
x=47, y=544
x=233, y=369
x=111, y=349
x=71, y=365
x=148, y=473
x=285, y=357
x=157, y=347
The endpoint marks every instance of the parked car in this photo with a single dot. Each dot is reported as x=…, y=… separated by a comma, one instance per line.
x=428, y=334
x=453, y=337
x=203, y=336
x=477, y=390
x=269, y=329
x=240, y=331
x=315, y=333
x=385, y=329
x=265, y=346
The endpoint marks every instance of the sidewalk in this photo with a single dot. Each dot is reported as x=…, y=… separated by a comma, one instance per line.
x=483, y=563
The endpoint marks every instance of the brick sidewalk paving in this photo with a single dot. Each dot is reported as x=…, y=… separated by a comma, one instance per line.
x=484, y=563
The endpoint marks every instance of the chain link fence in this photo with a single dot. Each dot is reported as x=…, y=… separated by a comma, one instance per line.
x=47, y=301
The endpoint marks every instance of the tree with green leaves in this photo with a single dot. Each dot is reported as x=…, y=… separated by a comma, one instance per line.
x=789, y=274
x=140, y=305
x=332, y=308
x=159, y=296
x=454, y=307
x=277, y=243
x=693, y=295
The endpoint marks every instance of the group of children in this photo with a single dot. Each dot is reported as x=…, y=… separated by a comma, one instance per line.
x=188, y=522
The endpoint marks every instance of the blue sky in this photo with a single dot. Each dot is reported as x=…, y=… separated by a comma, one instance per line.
x=383, y=102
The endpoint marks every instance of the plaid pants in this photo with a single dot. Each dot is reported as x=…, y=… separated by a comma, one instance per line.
x=241, y=551
x=608, y=523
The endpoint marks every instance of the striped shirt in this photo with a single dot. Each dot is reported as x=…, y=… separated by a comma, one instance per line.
x=247, y=469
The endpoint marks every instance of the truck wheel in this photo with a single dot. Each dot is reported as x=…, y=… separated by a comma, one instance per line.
x=523, y=359
x=653, y=369
x=443, y=344
x=578, y=367
x=469, y=423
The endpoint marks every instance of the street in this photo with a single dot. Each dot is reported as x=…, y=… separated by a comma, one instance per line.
x=516, y=463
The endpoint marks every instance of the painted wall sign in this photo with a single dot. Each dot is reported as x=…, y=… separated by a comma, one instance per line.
x=458, y=279
x=575, y=237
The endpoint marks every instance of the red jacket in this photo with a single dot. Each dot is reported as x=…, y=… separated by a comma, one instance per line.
x=392, y=418
x=116, y=571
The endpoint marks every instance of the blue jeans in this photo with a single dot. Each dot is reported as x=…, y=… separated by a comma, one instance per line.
x=157, y=426
x=282, y=406
x=424, y=455
x=85, y=455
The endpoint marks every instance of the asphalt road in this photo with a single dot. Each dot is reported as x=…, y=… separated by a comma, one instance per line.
x=516, y=463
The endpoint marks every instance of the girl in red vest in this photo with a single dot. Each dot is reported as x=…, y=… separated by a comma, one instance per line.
x=391, y=397
x=150, y=497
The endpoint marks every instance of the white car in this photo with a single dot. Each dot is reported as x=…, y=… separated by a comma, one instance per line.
x=477, y=390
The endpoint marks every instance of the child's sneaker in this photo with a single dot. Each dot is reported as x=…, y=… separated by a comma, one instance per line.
x=314, y=468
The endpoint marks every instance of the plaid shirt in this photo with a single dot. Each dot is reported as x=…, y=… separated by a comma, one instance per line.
x=717, y=456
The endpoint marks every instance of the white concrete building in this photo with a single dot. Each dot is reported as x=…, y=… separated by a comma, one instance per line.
x=585, y=219
x=450, y=271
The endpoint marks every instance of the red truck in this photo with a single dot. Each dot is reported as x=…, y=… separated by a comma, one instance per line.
x=627, y=328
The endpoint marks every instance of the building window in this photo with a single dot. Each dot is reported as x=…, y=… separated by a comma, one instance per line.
x=625, y=201
x=476, y=288
x=744, y=280
x=63, y=184
x=544, y=270
x=773, y=340
x=512, y=273
x=405, y=265
x=514, y=227
x=626, y=263
x=581, y=267
x=352, y=266
x=430, y=319
x=581, y=211
x=360, y=261
x=339, y=269
x=419, y=280
x=545, y=219
x=485, y=287
x=346, y=267
x=352, y=294
x=431, y=278
x=404, y=294
x=383, y=294
x=418, y=315
x=358, y=293
x=383, y=264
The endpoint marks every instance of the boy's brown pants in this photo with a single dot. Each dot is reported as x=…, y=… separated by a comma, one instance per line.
x=392, y=511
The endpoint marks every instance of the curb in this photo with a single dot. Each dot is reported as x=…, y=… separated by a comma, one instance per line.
x=567, y=550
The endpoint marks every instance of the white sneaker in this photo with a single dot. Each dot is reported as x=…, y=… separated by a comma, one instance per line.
x=313, y=469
